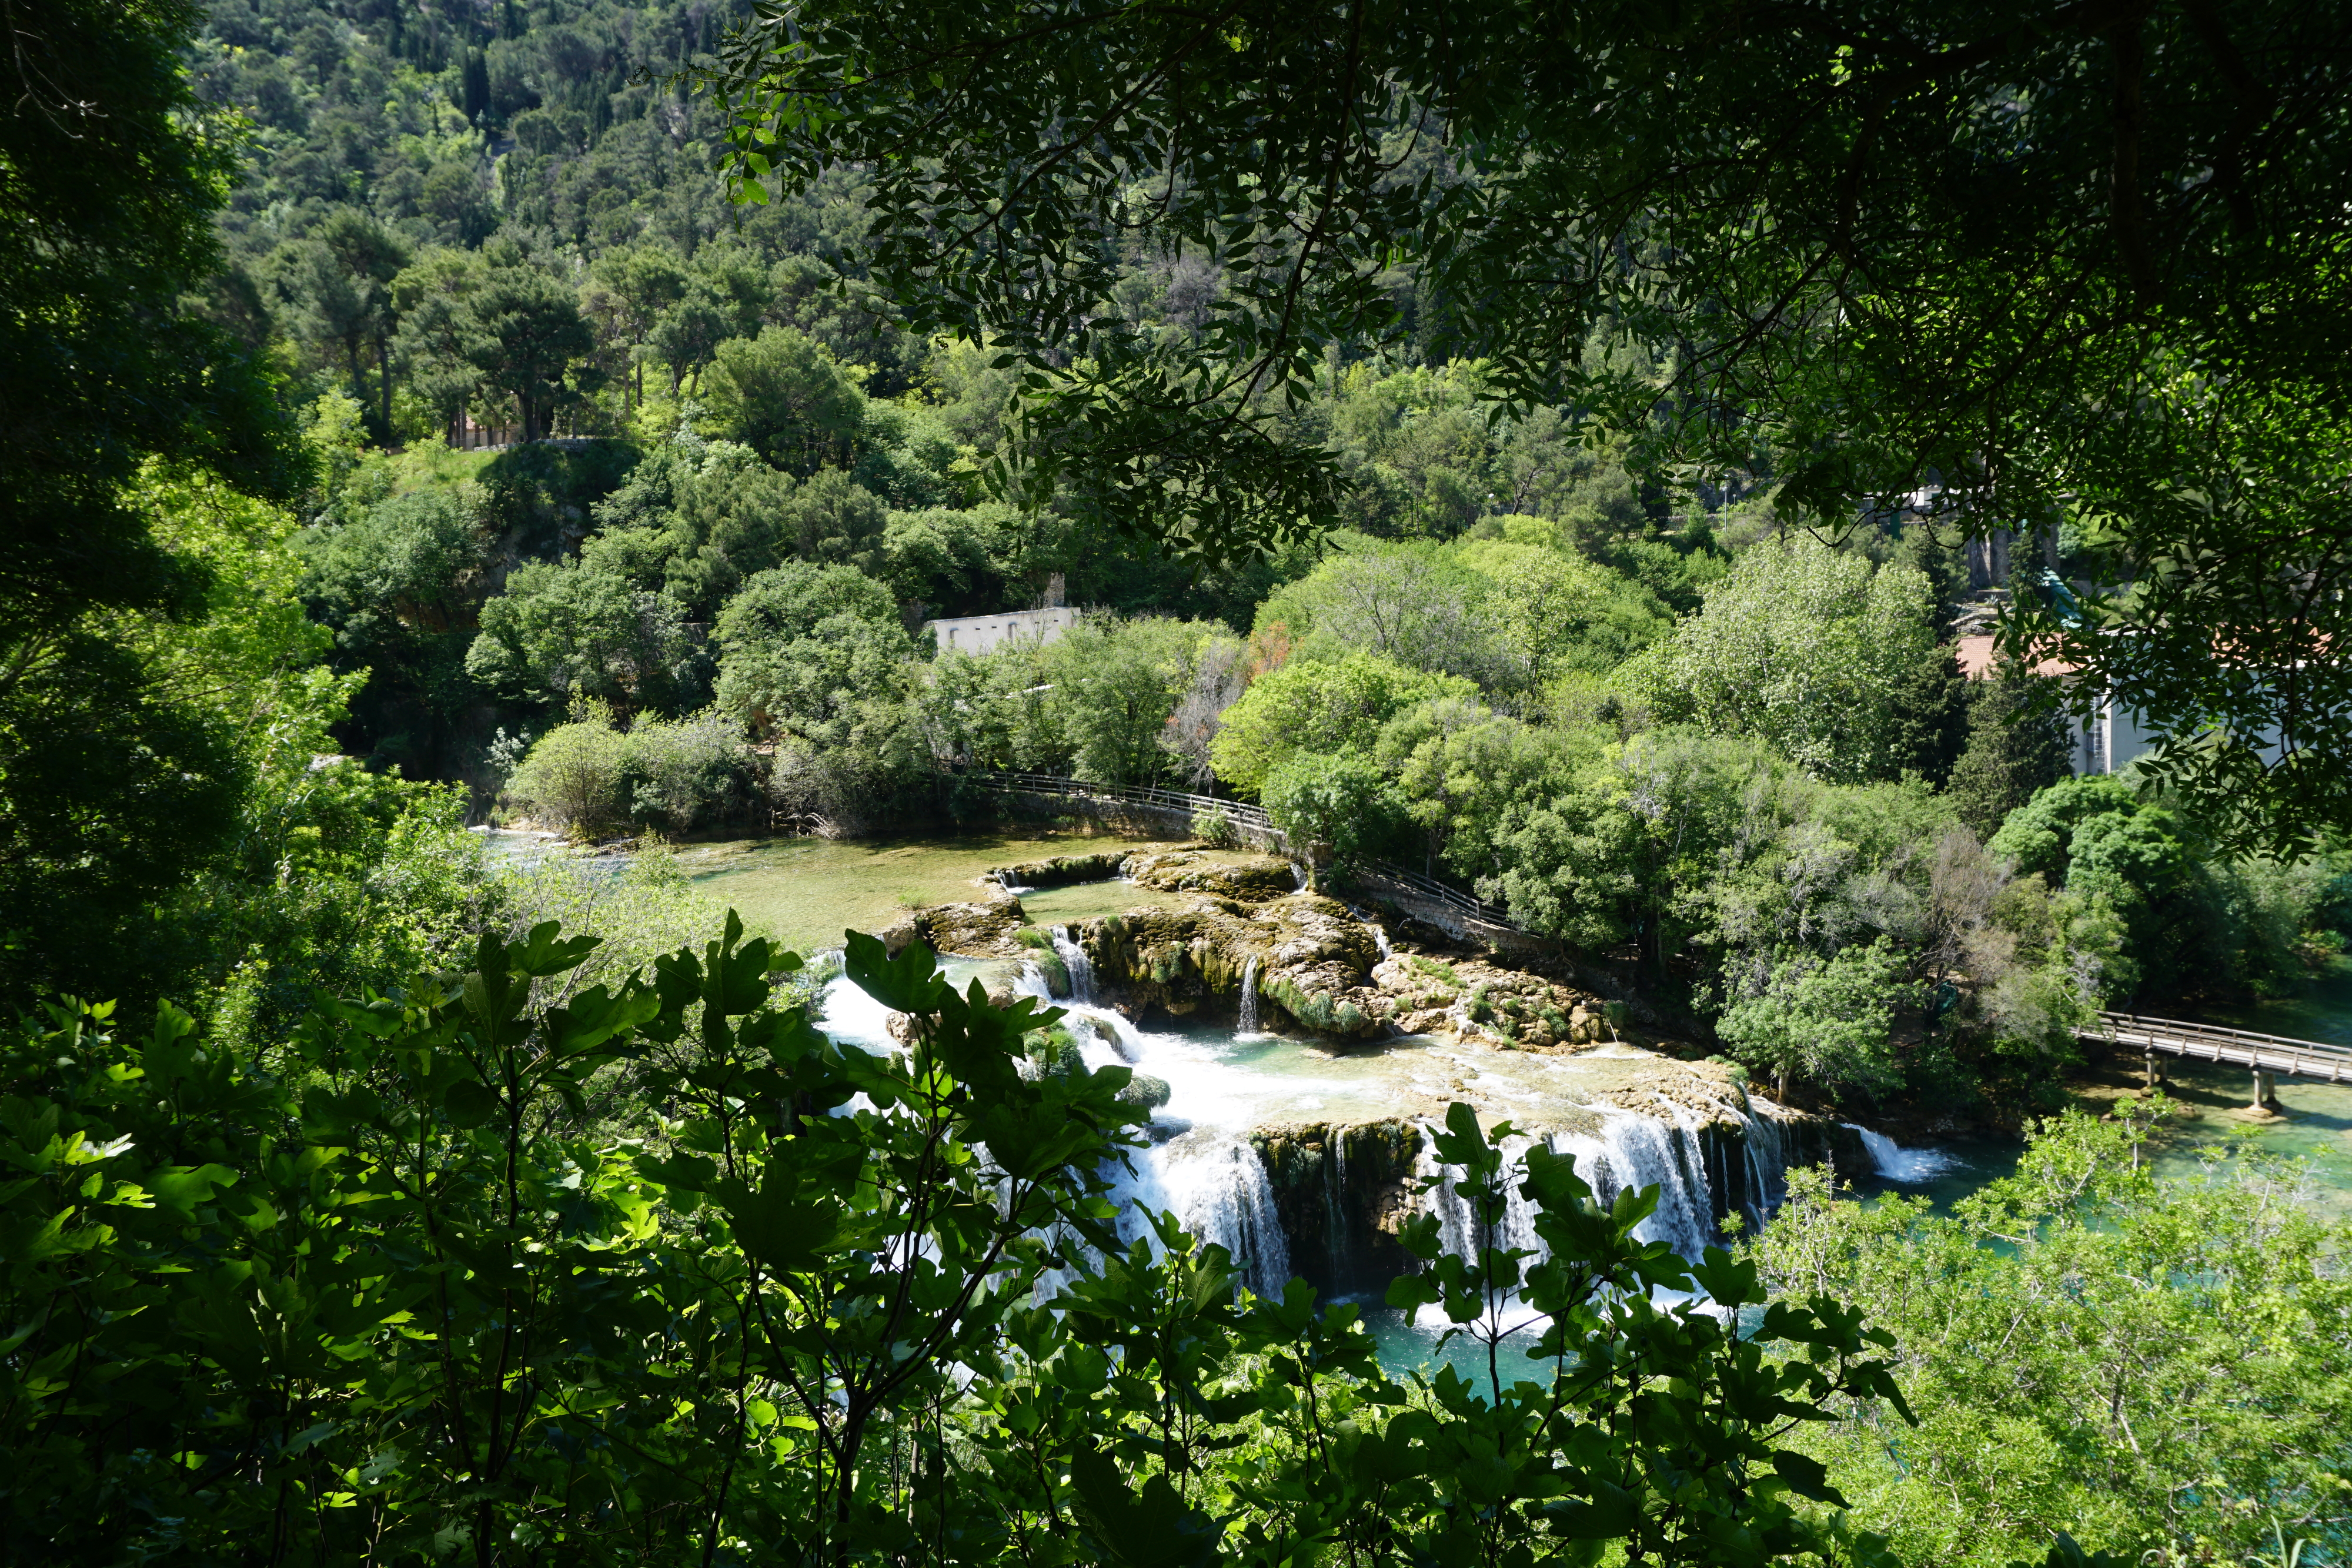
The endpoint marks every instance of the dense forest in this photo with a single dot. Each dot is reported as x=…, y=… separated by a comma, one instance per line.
x=455, y=444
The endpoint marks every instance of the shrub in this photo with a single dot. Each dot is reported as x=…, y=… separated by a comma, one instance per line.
x=678, y=773
x=1215, y=825
x=573, y=776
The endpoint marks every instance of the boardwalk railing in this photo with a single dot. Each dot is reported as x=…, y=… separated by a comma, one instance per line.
x=1243, y=815
x=2214, y=1042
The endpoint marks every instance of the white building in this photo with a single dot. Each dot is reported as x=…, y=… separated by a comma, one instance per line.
x=985, y=634
x=2108, y=742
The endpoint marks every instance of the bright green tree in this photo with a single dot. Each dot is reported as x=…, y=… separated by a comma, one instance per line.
x=785, y=397
x=2078, y=1341
x=1803, y=648
x=1311, y=705
x=1829, y=1021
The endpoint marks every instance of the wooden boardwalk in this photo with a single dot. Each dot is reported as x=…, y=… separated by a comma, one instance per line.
x=2265, y=1054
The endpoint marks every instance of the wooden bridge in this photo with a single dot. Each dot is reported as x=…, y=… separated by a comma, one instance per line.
x=2264, y=1055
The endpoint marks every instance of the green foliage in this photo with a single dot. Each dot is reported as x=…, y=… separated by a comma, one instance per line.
x=1317, y=707
x=666, y=774
x=2080, y=1339
x=107, y=362
x=573, y=774
x=1830, y=1020
x=2017, y=747
x=559, y=633
x=802, y=644
x=785, y=398
x=1877, y=339
x=2192, y=921
x=1118, y=702
x=1333, y=809
x=1804, y=649
x=1510, y=614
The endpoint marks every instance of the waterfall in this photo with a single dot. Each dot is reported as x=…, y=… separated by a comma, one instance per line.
x=1104, y=1035
x=1767, y=1155
x=1082, y=969
x=850, y=1017
x=1248, y=1021
x=1633, y=1151
x=1892, y=1161
x=1643, y=1150
x=1380, y=940
x=1215, y=1185
x=1455, y=1223
x=1298, y=871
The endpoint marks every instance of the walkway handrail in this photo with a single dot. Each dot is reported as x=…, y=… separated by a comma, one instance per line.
x=1240, y=811
x=2221, y=1043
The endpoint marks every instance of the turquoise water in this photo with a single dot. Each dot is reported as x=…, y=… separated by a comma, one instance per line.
x=2317, y=1126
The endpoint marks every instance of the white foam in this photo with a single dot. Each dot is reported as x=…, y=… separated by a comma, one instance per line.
x=1892, y=1161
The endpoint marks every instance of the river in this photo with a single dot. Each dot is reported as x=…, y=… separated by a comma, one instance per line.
x=1226, y=1080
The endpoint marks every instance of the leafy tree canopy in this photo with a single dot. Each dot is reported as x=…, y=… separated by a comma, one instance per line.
x=2064, y=262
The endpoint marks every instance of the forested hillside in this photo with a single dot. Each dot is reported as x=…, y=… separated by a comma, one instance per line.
x=505, y=220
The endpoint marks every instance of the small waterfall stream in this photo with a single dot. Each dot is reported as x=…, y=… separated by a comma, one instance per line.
x=1081, y=968
x=1248, y=1020
x=1214, y=1182
x=1892, y=1161
x=1644, y=1151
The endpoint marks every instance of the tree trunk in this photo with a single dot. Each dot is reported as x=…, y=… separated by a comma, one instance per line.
x=384, y=378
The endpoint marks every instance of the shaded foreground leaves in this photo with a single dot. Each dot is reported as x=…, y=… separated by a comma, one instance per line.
x=400, y=1295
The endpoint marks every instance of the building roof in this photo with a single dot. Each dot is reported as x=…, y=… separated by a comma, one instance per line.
x=1977, y=655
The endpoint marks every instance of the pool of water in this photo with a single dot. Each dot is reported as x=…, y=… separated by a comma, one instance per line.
x=1087, y=901
x=2317, y=1124
x=806, y=892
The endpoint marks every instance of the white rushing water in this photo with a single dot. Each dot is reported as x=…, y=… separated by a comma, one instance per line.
x=1081, y=968
x=1633, y=1151
x=1892, y=1161
x=1215, y=1185
x=1766, y=1151
x=1199, y=1164
x=1247, y=1023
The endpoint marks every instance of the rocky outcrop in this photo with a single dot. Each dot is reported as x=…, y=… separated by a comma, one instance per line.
x=1343, y=1192
x=1476, y=999
x=1205, y=917
x=985, y=928
x=1312, y=956
x=1099, y=865
x=1242, y=878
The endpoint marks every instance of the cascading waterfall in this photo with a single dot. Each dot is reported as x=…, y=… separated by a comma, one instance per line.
x=1248, y=1021
x=1458, y=1225
x=1081, y=968
x=1643, y=1150
x=1892, y=1161
x=1766, y=1152
x=853, y=1017
x=1298, y=871
x=1633, y=1151
x=1216, y=1185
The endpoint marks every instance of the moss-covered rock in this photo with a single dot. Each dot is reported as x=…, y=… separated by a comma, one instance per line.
x=1242, y=878
x=1312, y=959
x=985, y=928
x=1478, y=999
x=1060, y=870
x=1343, y=1191
x=1146, y=1091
